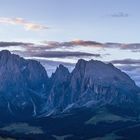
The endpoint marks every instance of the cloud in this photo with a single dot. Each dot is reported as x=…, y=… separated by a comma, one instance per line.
x=126, y=61
x=34, y=50
x=54, y=54
x=134, y=47
x=54, y=44
x=48, y=45
x=20, y=21
x=51, y=45
x=120, y=15
x=61, y=54
x=129, y=66
x=8, y=44
x=132, y=71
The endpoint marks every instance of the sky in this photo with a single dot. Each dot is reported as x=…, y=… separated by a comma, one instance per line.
x=100, y=20
x=63, y=31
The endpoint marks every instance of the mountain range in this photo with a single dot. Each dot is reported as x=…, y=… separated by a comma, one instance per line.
x=26, y=91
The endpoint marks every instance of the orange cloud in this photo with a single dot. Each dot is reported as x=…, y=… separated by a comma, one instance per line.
x=20, y=21
x=54, y=44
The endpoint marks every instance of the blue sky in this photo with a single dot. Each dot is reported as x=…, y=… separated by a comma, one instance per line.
x=100, y=20
x=63, y=31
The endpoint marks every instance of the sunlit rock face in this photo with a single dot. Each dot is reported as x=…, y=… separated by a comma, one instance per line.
x=27, y=91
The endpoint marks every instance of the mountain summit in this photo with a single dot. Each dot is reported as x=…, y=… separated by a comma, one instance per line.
x=22, y=85
x=94, y=83
x=27, y=91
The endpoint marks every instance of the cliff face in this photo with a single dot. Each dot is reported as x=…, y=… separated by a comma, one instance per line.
x=101, y=79
x=59, y=89
x=26, y=90
x=94, y=83
x=23, y=83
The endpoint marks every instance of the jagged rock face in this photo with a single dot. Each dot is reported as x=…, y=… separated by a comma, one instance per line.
x=26, y=90
x=90, y=83
x=22, y=84
x=59, y=96
x=99, y=82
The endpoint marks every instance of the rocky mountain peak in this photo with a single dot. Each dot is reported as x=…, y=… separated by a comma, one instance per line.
x=62, y=70
x=25, y=87
x=102, y=72
x=81, y=62
x=22, y=83
x=99, y=82
x=80, y=66
x=61, y=74
x=5, y=52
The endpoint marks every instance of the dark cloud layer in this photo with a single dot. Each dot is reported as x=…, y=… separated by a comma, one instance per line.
x=126, y=61
x=54, y=44
x=62, y=54
x=8, y=44
x=129, y=67
x=135, y=47
x=55, y=54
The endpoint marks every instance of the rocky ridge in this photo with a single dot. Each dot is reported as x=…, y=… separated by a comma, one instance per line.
x=27, y=91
